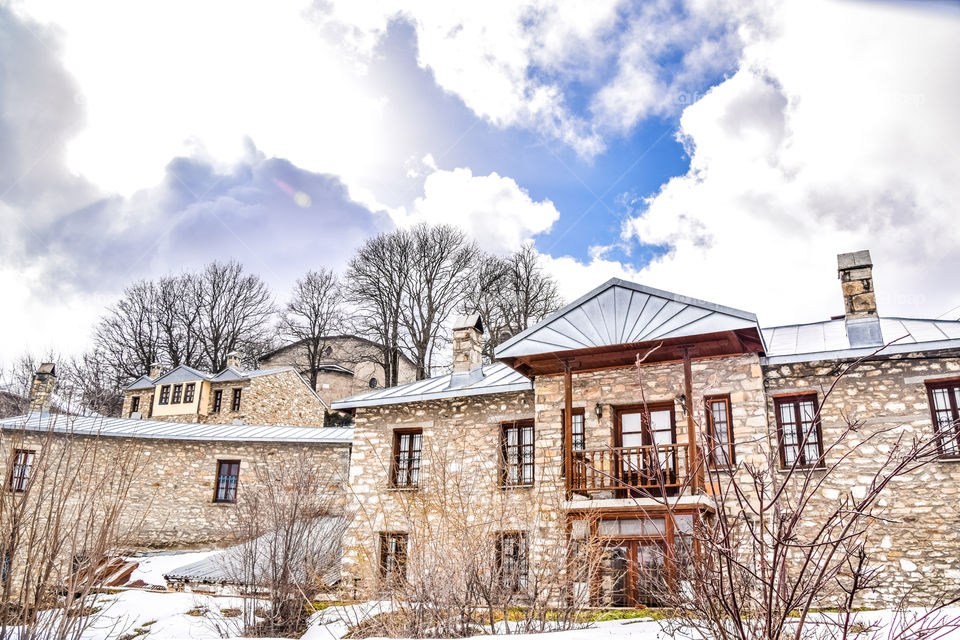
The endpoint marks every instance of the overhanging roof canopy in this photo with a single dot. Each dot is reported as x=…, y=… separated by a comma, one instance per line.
x=613, y=323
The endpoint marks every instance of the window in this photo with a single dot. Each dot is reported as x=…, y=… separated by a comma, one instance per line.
x=373, y=383
x=517, y=451
x=798, y=429
x=188, y=392
x=20, y=473
x=393, y=555
x=177, y=394
x=165, y=394
x=134, y=404
x=217, y=400
x=328, y=351
x=945, y=407
x=721, y=454
x=512, y=561
x=407, y=445
x=578, y=436
x=228, y=473
x=235, y=405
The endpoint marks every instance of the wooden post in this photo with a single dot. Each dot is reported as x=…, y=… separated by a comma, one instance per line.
x=693, y=462
x=567, y=426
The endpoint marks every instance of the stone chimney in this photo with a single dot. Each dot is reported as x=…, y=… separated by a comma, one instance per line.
x=859, y=299
x=233, y=360
x=467, y=343
x=155, y=370
x=41, y=390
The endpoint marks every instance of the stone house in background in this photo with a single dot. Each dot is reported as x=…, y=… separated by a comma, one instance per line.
x=186, y=479
x=568, y=435
x=269, y=396
x=350, y=365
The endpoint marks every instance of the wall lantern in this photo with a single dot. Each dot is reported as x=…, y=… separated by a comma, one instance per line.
x=599, y=411
x=681, y=401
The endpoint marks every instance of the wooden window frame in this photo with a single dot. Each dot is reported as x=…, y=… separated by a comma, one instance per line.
x=519, y=580
x=393, y=563
x=521, y=427
x=177, y=396
x=409, y=460
x=17, y=482
x=164, y=394
x=577, y=411
x=217, y=401
x=189, y=390
x=229, y=494
x=950, y=383
x=235, y=400
x=711, y=433
x=134, y=404
x=795, y=400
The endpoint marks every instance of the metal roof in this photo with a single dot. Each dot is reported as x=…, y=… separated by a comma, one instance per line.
x=182, y=373
x=828, y=340
x=621, y=312
x=131, y=428
x=495, y=378
x=143, y=382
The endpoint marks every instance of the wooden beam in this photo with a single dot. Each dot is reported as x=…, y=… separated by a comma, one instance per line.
x=567, y=426
x=693, y=460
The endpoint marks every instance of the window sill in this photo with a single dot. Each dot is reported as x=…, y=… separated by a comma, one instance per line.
x=396, y=488
x=223, y=503
x=800, y=469
x=948, y=459
x=511, y=487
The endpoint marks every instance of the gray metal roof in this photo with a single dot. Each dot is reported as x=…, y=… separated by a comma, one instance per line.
x=251, y=561
x=182, y=373
x=621, y=312
x=495, y=378
x=130, y=428
x=143, y=382
x=828, y=340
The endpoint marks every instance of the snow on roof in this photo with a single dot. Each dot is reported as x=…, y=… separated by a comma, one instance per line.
x=496, y=378
x=621, y=312
x=132, y=428
x=828, y=340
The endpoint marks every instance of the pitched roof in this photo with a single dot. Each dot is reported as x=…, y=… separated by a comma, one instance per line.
x=829, y=340
x=292, y=345
x=621, y=312
x=143, y=382
x=491, y=378
x=130, y=428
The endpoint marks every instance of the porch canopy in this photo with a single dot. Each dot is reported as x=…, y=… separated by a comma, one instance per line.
x=618, y=320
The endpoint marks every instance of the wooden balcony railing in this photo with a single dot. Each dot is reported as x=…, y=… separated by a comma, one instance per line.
x=651, y=468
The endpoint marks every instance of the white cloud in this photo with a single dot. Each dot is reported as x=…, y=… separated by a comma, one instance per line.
x=836, y=134
x=493, y=209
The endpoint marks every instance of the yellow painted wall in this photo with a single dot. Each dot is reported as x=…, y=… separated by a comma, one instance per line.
x=199, y=404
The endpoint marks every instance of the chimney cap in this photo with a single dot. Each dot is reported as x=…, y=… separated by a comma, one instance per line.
x=47, y=368
x=854, y=260
x=471, y=321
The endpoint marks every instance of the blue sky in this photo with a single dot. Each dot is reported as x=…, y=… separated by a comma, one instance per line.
x=723, y=150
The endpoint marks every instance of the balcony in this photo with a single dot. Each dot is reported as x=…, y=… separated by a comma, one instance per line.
x=655, y=470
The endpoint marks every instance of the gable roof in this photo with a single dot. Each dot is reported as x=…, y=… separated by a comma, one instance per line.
x=490, y=378
x=620, y=312
x=182, y=373
x=829, y=339
x=143, y=382
x=340, y=337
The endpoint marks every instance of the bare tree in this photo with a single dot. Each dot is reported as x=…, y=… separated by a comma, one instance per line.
x=511, y=294
x=314, y=312
x=436, y=283
x=234, y=310
x=129, y=334
x=376, y=281
x=290, y=523
x=178, y=319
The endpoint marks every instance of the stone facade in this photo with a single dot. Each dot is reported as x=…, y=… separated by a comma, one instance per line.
x=278, y=398
x=886, y=396
x=171, y=497
x=350, y=368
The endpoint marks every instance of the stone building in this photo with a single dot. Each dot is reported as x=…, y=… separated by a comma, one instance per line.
x=350, y=365
x=186, y=480
x=269, y=396
x=621, y=417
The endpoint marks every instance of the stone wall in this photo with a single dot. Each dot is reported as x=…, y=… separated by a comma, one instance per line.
x=171, y=499
x=918, y=543
x=276, y=399
x=146, y=402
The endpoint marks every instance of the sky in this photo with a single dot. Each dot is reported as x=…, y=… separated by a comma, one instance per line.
x=725, y=150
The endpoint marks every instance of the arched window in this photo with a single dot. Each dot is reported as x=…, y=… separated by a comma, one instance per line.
x=373, y=383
